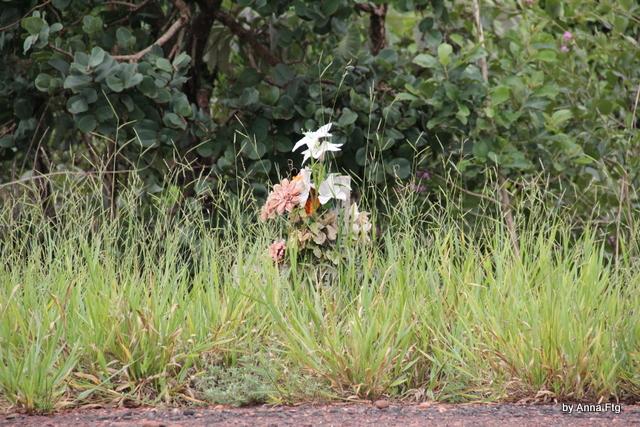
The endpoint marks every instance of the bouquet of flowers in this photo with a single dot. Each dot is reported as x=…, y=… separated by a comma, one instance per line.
x=315, y=212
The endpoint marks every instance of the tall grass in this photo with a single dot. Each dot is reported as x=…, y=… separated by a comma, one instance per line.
x=95, y=310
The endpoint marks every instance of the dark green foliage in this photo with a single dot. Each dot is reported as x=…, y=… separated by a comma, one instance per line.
x=412, y=96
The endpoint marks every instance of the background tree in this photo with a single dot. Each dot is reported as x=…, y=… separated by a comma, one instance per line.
x=229, y=86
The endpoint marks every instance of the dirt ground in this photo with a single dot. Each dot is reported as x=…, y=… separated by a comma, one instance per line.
x=379, y=414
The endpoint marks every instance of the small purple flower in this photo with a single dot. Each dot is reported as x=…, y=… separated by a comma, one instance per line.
x=564, y=48
x=418, y=188
x=567, y=36
x=423, y=174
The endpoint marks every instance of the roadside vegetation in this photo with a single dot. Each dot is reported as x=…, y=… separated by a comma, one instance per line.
x=458, y=223
x=188, y=308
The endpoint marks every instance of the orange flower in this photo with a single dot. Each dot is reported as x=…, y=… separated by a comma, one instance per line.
x=312, y=203
x=308, y=196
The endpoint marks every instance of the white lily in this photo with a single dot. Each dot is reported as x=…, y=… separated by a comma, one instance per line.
x=335, y=187
x=316, y=147
x=304, y=182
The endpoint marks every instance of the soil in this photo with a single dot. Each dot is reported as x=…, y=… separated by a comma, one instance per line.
x=377, y=414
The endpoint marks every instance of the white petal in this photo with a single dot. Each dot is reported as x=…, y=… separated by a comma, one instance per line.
x=306, y=156
x=323, y=131
x=304, y=141
x=333, y=147
x=305, y=185
x=335, y=187
x=324, y=199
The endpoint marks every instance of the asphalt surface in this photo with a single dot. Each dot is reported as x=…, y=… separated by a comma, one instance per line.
x=379, y=414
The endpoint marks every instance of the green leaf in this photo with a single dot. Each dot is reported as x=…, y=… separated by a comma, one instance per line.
x=96, y=57
x=164, y=65
x=28, y=43
x=33, y=25
x=425, y=60
x=260, y=168
x=282, y=74
x=493, y=157
x=125, y=37
x=90, y=95
x=249, y=77
x=399, y=167
x=361, y=156
x=405, y=96
x=463, y=113
x=23, y=108
x=329, y=7
x=77, y=104
x=148, y=87
x=146, y=133
x=269, y=95
x=500, y=94
x=259, y=129
x=76, y=82
x=61, y=4
x=42, y=82
x=115, y=83
x=254, y=150
x=348, y=117
x=81, y=59
x=174, y=121
x=282, y=144
x=181, y=61
x=444, y=53
x=605, y=106
x=546, y=56
x=249, y=97
x=163, y=96
x=92, y=24
x=86, y=123
x=7, y=141
x=132, y=80
x=350, y=44
x=182, y=106
x=558, y=118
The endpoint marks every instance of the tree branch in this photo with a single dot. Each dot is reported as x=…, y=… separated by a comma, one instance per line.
x=483, y=59
x=62, y=51
x=246, y=36
x=13, y=24
x=185, y=15
x=377, y=26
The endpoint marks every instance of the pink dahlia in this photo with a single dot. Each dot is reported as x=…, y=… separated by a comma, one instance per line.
x=277, y=250
x=284, y=197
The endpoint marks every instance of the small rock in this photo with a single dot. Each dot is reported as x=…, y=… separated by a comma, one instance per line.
x=381, y=404
x=189, y=412
x=424, y=405
x=11, y=416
